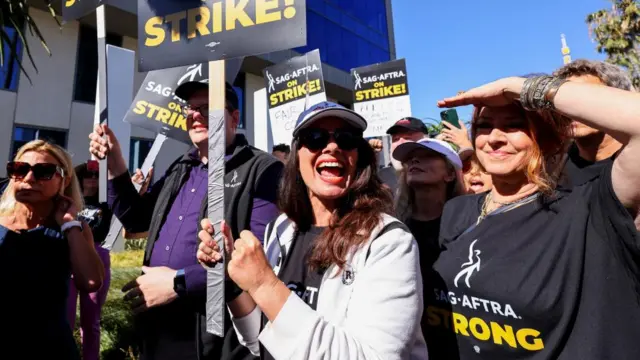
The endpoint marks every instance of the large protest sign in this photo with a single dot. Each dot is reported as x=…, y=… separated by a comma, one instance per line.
x=179, y=32
x=292, y=86
x=381, y=95
x=157, y=108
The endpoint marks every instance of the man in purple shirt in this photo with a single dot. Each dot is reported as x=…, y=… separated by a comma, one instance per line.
x=169, y=297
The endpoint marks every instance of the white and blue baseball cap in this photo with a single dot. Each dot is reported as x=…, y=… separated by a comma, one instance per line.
x=403, y=151
x=329, y=109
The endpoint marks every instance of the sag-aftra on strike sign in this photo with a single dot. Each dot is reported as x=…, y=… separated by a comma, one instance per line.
x=180, y=32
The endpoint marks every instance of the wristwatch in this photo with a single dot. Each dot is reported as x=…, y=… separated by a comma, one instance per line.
x=70, y=224
x=179, y=283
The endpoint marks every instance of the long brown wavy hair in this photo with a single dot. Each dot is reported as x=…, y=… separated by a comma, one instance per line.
x=551, y=135
x=358, y=213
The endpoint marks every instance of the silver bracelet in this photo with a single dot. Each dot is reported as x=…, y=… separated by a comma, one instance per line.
x=535, y=92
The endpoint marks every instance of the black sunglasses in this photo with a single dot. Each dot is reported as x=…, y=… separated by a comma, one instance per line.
x=317, y=139
x=41, y=171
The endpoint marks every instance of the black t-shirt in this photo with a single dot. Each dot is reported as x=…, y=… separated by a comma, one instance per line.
x=552, y=279
x=426, y=234
x=578, y=171
x=295, y=272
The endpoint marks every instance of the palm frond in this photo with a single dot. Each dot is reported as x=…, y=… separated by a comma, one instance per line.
x=15, y=14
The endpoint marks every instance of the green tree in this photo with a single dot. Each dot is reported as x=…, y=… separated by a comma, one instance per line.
x=617, y=33
x=14, y=14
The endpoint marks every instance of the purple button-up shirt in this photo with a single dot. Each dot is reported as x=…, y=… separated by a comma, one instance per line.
x=177, y=241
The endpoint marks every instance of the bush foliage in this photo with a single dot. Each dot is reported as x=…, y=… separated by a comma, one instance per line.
x=117, y=340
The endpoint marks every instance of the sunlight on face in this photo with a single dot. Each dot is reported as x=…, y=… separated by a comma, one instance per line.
x=29, y=190
x=323, y=182
x=502, y=141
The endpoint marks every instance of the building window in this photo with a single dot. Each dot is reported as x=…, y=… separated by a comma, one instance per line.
x=138, y=151
x=349, y=33
x=87, y=63
x=10, y=69
x=22, y=135
x=238, y=86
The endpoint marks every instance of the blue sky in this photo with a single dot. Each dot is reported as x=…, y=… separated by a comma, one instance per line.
x=457, y=45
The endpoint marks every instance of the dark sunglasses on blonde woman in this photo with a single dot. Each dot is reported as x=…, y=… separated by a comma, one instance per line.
x=41, y=171
x=317, y=139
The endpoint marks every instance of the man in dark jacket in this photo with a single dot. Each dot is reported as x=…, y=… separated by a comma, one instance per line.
x=170, y=297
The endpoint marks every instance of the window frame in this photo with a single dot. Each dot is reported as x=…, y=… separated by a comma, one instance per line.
x=132, y=140
x=12, y=152
x=11, y=64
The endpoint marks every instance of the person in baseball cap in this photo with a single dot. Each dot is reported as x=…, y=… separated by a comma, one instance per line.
x=404, y=152
x=432, y=176
x=178, y=281
x=406, y=129
x=408, y=125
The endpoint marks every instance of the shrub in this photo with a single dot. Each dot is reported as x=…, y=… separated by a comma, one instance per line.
x=117, y=341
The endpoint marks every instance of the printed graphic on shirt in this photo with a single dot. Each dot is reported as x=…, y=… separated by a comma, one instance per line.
x=348, y=275
x=470, y=266
x=483, y=319
x=234, y=181
x=307, y=293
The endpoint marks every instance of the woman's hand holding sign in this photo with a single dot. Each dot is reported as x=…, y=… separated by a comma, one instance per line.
x=247, y=266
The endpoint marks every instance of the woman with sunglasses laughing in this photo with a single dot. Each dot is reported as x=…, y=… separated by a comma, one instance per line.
x=338, y=277
x=41, y=245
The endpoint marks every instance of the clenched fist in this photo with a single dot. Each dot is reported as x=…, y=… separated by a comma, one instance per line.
x=247, y=263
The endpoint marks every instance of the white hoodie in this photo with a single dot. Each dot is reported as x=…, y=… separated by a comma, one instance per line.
x=372, y=311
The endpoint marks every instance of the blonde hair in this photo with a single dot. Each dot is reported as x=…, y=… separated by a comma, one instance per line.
x=405, y=196
x=72, y=190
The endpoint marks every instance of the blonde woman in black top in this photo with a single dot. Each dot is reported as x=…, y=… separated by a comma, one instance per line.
x=41, y=246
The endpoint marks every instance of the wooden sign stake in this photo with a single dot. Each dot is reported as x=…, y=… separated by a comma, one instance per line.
x=216, y=305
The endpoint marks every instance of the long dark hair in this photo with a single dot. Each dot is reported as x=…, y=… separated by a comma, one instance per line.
x=357, y=214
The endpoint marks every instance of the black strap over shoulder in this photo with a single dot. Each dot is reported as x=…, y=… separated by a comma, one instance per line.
x=390, y=226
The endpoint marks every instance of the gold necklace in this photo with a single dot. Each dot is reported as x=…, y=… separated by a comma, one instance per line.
x=489, y=199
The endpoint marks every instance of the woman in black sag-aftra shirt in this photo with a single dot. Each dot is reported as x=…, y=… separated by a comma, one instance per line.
x=528, y=271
